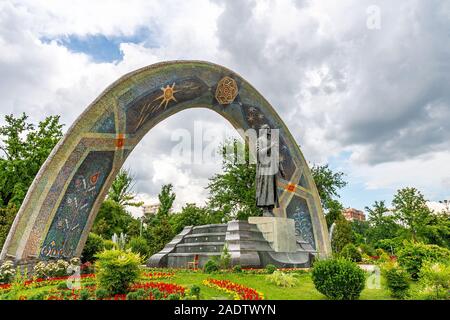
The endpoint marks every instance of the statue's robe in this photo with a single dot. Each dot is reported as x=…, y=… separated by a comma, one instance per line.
x=266, y=189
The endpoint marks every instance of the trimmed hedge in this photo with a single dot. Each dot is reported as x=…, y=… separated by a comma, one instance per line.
x=338, y=279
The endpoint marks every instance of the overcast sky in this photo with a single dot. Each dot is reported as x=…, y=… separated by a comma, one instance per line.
x=362, y=85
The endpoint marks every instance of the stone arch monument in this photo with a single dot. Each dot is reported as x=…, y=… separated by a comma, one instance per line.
x=61, y=204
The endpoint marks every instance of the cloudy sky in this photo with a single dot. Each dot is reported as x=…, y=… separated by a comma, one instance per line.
x=363, y=85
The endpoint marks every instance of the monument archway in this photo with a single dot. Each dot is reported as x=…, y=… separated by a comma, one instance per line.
x=61, y=204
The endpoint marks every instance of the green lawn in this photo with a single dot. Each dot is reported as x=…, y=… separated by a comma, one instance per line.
x=304, y=290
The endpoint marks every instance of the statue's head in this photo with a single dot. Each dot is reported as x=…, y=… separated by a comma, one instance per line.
x=265, y=128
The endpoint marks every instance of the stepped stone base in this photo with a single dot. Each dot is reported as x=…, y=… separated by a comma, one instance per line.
x=246, y=243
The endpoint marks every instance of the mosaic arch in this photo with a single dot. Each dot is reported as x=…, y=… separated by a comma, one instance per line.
x=62, y=202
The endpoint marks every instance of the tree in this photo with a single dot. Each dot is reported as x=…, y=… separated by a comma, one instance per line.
x=377, y=213
x=437, y=231
x=334, y=209
x=342, y=234
x=233, y=192
x=190, y=215
x=113, y=218
x=25, y=147
x=166, y=198
x=121, y=190
x=410, y=210
x=328, y=183
x=6, y=219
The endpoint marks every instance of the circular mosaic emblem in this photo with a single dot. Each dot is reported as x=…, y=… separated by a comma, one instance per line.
x=226, y=91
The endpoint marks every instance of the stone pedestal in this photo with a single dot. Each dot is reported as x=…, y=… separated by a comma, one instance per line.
x=279, y=232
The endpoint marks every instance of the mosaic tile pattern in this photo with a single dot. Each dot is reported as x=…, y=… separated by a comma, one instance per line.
x=60, y=207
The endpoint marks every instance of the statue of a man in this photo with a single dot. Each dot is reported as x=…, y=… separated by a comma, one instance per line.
x=267, y=167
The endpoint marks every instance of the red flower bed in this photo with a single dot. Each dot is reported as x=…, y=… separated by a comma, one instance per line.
x=165, y=288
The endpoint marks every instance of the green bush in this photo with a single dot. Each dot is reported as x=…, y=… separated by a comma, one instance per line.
x=397, y=281
x=101, y=293
x=225, y=258
x=270, y=268
x=211, y=266
x=38, y=296
x=173, y=296
x=62, y=285
x=110, y=245
x=116, y=270
x=237, y=268
x=282, y=279
x=94, y=244
x=84, y=294
x=195, y=291
x=137, y=295
x=435, y=280
x=139, y=245
x=351, y=253
x=338, y=278
x=367, y=249
x=413, y=255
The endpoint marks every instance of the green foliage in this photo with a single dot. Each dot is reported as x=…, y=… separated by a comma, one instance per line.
x=190, y=215
x=333, y=212
x=232, y=193
x=41, y=295
x=437, y=231
x=410, y=209
x=24, y=148
x=328, y=183
x=212, y=265
x=225, y=258
x=397, y=281
x=360, y=230
x=84, y=294
x=7, y=272
x=113, y=218
x=195, y=291
x=435, y=280
x=413, y=255
x=7, y=216
x=173, y=296
x=121, y=190
x=62, y=285
x=282, y=279
x=367, y=249
x=139, y=245
x=351, y=253
x=270, y=268
x=109, y=244
x=117, y=270
x=137, y=295
x=237, y=268
x=338, y=279
x=101, y=293
x=94, y=244
x=159, y=231
x=342, y=234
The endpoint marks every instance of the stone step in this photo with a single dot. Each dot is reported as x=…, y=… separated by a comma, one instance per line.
x=181, y=260
x=210, y=228
x=199, y=247
x=204, y=237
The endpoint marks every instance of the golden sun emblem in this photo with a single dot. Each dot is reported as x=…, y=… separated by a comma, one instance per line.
x=167, y=96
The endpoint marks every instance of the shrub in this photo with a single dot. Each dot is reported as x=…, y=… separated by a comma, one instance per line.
x=282, y=279
x=270, y=268
x=413, y=255
x=397, y=281
x=84, y=294
x=137, y=295
x=94, y=245
x=110, y=245
x=7, y=272
x=139, y=245
x=62, y=285
x=173, y=296
x=225, y=258
x=351, y=253
x=237, y=268
x=211, y=266
x=38, y=296
x=367, y=249
x=435, y=280
x=101, y=293
x=338, y=278
x=195, y=291
x=117, y=270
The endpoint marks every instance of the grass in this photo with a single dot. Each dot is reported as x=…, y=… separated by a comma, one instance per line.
x=303, y=290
